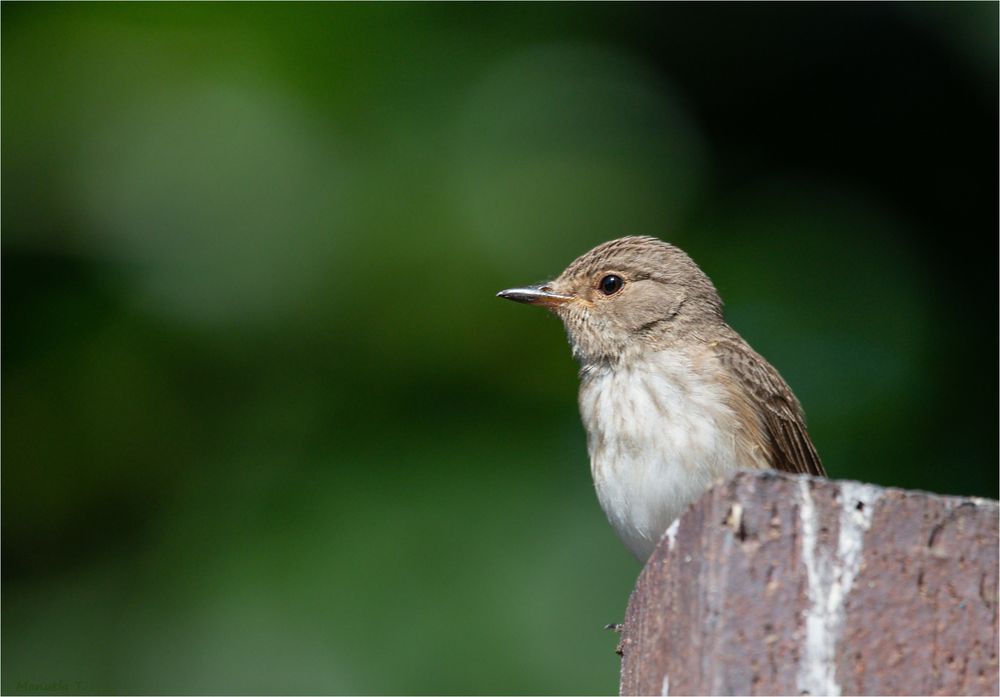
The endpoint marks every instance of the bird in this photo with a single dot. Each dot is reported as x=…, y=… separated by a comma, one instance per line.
x=671, y=397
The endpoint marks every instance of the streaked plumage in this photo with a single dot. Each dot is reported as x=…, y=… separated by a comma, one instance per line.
x=672, y=397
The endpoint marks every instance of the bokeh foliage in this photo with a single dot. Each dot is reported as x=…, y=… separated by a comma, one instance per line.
x=266, y=429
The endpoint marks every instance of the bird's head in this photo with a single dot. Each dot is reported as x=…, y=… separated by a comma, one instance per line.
x=626, y=297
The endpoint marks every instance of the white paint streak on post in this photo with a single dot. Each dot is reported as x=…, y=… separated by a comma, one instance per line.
x=814, y=676
x=857, y=503
x=665, y=689
x=829, y=580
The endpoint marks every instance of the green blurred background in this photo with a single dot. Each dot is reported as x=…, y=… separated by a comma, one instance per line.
x=266, y=428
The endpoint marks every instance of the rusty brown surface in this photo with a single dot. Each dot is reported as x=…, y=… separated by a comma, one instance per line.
x=900, y=586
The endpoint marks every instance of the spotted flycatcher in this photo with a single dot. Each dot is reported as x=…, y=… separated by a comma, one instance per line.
x=671, y=396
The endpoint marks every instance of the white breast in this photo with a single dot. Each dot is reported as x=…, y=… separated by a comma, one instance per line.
x=659, y=432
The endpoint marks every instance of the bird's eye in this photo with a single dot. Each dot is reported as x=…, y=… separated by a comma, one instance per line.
x=611, y=284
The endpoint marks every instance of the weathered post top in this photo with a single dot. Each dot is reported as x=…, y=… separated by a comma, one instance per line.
x=777, y=584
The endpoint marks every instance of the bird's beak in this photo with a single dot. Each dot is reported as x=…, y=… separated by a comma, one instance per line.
x=535, y=295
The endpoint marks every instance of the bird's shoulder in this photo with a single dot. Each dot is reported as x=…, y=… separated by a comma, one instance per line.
x=769, y=395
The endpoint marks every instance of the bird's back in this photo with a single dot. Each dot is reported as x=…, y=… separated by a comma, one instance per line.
x=761, y=392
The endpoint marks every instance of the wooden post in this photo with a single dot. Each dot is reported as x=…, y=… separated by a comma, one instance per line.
x=777, y=584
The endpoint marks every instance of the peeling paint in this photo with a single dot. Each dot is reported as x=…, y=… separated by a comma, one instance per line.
x=671, y=533
x=829, y=580
x=735, y=518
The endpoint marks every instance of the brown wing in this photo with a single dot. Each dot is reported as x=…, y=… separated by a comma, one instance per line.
x=784, y=422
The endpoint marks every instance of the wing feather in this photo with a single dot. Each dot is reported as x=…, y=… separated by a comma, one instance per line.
x=782, y=416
